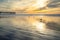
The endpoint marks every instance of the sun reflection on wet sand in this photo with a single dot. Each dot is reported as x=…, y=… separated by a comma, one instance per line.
x=40, y=26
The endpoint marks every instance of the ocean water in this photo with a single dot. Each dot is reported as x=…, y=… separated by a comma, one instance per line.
x=22, y=28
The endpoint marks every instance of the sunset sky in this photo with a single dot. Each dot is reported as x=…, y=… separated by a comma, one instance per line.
x=34, y=20
x=42, y=6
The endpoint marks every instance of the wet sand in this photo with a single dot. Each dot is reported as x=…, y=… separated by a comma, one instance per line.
x=19, y=28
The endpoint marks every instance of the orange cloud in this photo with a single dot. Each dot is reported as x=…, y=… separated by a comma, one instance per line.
x=47, y=11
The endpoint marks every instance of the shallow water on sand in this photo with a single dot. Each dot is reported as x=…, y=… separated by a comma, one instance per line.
x=22, y=28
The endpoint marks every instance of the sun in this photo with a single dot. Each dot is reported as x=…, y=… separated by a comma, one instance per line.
x=38, y=4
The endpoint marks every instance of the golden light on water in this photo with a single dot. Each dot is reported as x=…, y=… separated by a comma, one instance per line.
x=40, y=26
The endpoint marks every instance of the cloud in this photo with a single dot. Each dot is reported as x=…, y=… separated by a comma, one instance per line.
x=19, y=5
x=14, y=4
x=54, y=4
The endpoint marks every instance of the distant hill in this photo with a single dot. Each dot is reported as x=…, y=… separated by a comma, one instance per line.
x=7, y=13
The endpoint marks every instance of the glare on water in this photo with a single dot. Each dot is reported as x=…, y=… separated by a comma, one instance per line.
x=40, y=26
